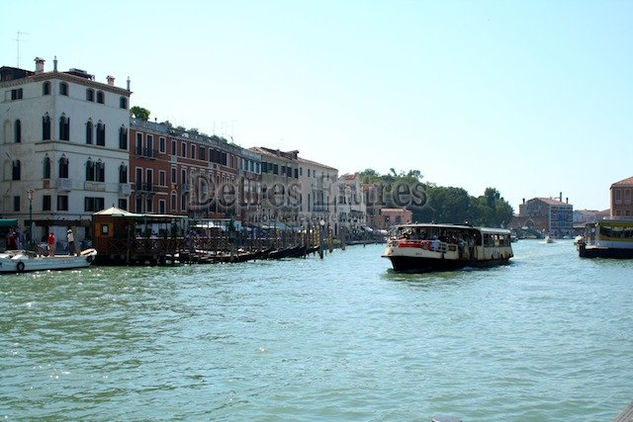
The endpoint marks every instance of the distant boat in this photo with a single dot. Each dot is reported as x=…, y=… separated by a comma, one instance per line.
x=607, y=239
x=549, y=239
x=436, y=247
x=20, y=261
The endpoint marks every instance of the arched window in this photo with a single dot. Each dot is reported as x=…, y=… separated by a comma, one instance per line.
x=122, y=173
x=63, y=88
x=63, y=168
x=47, y=168
x=90, y=171
x=100, y=97
x=100, y=134
x=123, y=102
x=46, y=88
x=16, y=170
x=46, y=127
x=90, y=94
x=123, y=138
x=18, y=131
x=100, y=171
x=64, y=128
x=89, y=131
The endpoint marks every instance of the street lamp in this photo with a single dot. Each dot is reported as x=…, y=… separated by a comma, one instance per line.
x=29, y=195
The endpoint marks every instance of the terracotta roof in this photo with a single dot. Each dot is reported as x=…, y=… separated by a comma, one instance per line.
x=552, y=201
x=624, y=182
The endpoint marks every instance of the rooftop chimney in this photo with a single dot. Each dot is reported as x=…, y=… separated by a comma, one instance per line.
x=524, y=200
x=560, y=197
x=39, y=65
x=55, y=64
x=567, y=199
x=110, y=80
x=128, y=83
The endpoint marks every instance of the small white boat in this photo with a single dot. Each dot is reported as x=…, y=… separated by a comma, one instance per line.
x=549, y=239
x=21, y=261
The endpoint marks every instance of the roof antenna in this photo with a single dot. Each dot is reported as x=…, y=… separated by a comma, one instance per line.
x=17, y=41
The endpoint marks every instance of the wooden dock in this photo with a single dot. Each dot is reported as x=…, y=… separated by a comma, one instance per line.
x=626, y=415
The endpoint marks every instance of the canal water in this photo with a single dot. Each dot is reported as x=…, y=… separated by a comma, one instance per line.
x=546, y=338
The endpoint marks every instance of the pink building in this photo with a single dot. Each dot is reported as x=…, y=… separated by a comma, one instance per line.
x=394, y=216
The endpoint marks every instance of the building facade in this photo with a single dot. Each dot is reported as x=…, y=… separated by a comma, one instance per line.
x=65, y=148
x=620, y=194
x=352, y=208
x=548, y=215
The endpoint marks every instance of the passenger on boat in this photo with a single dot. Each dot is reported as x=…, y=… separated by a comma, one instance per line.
x=435, y=244
x=460, y=247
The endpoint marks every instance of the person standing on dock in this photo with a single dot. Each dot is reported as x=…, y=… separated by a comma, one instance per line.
x=71, y=241
x=51, y=244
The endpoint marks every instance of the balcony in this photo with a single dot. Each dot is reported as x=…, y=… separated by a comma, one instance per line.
x=64, y=184
x=125, y=189
x=146, y=152
x=94, y=186
x=48, y=184
x=144, y=187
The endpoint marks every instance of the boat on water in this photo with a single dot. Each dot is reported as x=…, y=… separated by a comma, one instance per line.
x=549, y=239
x=20, y=261
x=440, y=247
x=607, y=238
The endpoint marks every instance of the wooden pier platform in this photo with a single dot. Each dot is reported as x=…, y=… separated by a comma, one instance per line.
x=626, y=415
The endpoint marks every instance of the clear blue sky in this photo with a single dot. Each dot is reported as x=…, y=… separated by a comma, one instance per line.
x=530, y=97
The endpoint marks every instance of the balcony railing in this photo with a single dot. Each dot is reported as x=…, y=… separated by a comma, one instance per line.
x=94, y=186
x=124, y=189
x=144, y=187
x=146, y=152
x=64, y=184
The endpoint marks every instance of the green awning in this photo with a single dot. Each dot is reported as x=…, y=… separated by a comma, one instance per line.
x=8, y=222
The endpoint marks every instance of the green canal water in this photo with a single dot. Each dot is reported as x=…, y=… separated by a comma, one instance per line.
x=547, y=338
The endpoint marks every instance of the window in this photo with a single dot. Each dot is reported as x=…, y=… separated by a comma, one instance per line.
x=64, y=128
x=16, y=94
x=62, y=202
x=161, y=178
x=202, y=153
x=193, y=151
x=46, y=128
x=122, y=173
x=139, y=178
x=149, y=205
x=161, y=206
x=173, y=202
x=46, y=88
x=89, y=132
x=183, y=150
x=122, y=138
x=63, y=168
x=18, y=131
x=183, y=177
x=149, y=178
x=46, y=171
x=93, y=204
x=90, y=95
x=16, y=170
x=139, y=143
x=173, y=148
x=95, y=171
x=161, y=144
x=138, y=204
x=46, y=203
x=100, y=97
x=173, y=175
x=149, y=146
x=123, y=204
x=63, y=88
x=123, y=102
x=16, y=203
x=101, y=134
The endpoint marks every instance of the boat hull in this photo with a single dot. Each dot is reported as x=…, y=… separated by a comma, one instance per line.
x=20, y=261
x=598, y=252
x=418, y=264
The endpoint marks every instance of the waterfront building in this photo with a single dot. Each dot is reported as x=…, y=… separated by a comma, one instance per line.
x=620, y=195
x=319, y=194
x=352, y=208
x=174, y=171
x=547, y=215
x=393, y=217
x=64, y=145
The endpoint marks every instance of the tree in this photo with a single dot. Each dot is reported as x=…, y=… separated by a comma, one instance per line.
x=140, y=113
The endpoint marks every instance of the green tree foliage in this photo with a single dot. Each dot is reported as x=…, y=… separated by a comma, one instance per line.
x=140, y=113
